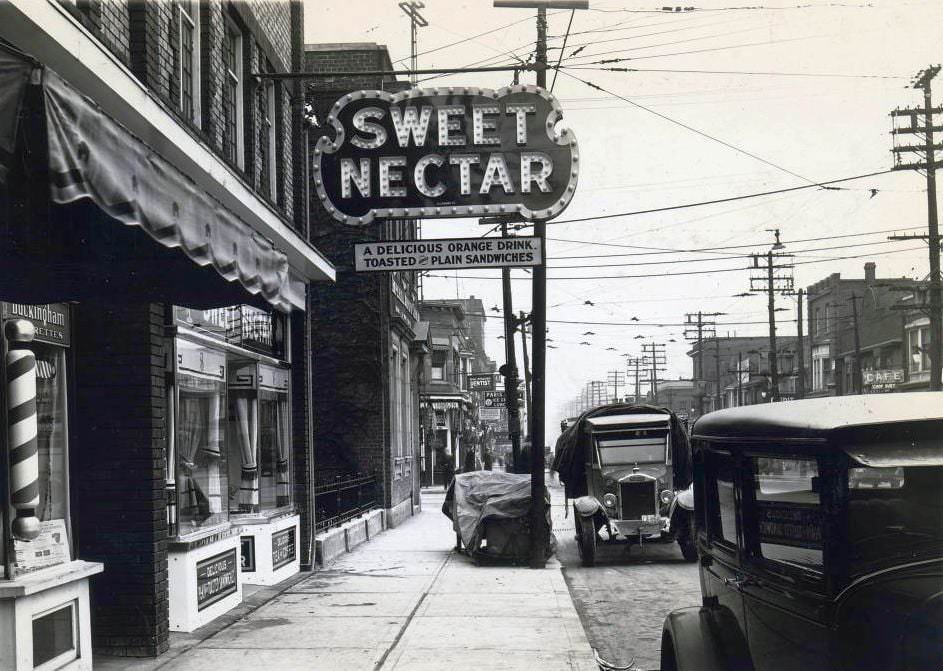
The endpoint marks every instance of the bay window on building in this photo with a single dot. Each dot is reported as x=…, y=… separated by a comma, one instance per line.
x=439, y=358
x=820, y=363
x=918, y=347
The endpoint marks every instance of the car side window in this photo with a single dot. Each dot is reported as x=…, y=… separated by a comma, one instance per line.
x=788, y=515
x=722, y=507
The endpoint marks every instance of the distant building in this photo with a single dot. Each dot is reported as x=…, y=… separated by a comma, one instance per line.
x=736, y=371
x=832, y=326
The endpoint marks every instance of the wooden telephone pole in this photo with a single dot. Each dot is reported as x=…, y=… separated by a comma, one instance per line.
x=767, y=280
x=928, y=148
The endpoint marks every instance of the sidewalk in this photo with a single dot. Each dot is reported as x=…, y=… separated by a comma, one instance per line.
x=403, y=600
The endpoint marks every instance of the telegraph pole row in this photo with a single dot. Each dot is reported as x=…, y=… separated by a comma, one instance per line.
x=615, y=378
x=634, y=369
x=656, y=356
x=704, y=327
x=766, y=279
x=927, y=149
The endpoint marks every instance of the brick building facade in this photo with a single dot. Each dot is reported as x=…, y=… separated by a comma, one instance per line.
x=366, y=399
x=832, y=327
x=186, y=203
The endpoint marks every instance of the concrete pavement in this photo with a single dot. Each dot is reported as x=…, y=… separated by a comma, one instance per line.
x=402, y=601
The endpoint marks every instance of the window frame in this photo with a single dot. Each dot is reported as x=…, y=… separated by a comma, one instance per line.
x=188, y=16
x=442, y=369
x=752, y=553
x=235, y=77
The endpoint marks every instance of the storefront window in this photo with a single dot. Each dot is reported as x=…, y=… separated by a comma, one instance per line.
x=201, y=475
x=51, y=431
x=260, y=444
x=275, y=484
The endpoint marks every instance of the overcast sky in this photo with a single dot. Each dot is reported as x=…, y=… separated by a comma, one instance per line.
x=809, y=103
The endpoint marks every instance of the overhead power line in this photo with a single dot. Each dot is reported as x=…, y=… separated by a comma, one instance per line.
x=678, y=274
x=835, y=75
x=693, y=129
x=822, y=184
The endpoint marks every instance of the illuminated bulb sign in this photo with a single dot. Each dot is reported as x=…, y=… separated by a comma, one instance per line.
x=448, y=152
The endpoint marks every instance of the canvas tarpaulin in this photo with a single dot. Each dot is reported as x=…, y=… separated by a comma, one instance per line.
x=91, y=157
x=479, y=497
x=571, y=453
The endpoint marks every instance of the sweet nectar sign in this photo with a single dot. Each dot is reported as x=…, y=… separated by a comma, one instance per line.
x=448, y=152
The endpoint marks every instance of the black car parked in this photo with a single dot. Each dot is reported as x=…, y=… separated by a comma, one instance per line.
x=819, y=525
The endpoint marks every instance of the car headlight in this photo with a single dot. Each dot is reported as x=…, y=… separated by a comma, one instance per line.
x=609, y=500
x=667, y=496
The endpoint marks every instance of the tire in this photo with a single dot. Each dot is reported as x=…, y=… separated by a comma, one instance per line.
x=586, y=540
x=685, y=538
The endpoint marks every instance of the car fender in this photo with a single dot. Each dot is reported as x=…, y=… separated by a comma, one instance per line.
x=703, y=639
x=683, y=499
x=588, y=506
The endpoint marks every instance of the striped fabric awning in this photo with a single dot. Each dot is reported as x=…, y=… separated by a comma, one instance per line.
x=443, y=405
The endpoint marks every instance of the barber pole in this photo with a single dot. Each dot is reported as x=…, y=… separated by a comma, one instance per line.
x=21, y=417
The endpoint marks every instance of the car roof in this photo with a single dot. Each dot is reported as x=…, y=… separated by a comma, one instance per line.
x=819, y=417
x=608, y=421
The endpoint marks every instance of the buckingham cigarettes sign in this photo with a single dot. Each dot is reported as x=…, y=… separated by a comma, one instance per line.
x=446, y=152
x=445, y=254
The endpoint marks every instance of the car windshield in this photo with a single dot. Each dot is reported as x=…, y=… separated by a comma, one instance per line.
x=636, y=448
x=895, y=514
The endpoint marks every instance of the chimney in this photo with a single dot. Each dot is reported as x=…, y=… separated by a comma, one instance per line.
x=870, y=269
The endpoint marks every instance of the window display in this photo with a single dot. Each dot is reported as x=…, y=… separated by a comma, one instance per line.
x=260, y=441
x=51, y=431
x=199, y=437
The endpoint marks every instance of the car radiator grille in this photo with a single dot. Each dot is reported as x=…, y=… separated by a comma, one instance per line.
x=638, y=498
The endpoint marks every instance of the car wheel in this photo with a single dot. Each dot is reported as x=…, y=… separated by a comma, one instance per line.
x=685, y=539
x=587, y=540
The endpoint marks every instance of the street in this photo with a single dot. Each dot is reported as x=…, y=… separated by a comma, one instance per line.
x=623, y=600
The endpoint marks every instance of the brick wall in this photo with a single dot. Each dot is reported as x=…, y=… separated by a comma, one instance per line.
x=119, y=514
x=144, y=34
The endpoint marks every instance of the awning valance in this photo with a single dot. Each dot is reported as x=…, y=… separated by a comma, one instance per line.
x=92, y=157
x=445, y=402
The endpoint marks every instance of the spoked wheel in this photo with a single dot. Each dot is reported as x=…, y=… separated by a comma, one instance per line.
x=586, y=540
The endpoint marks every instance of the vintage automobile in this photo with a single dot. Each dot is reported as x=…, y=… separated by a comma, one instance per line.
x=627, y=467
x=820, y=530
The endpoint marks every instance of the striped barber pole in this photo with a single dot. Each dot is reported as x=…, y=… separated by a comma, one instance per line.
x=21, y=419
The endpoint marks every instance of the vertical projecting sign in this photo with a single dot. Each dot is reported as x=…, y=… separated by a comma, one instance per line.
x=447, y=152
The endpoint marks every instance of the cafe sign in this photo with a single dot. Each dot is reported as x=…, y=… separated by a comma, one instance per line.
x=446, y=152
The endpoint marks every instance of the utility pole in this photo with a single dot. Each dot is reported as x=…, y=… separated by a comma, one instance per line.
x=633, y=370
x=718, y=400
x=856, y=372
x=765, y=279
x=510, y=367
x=656, y=356
x=615, y=378
x=539, y=531
x=928, y=149
x=740, y=378
x=416, y=21
x=705, y=327
x=800, y=382
x=523, y=321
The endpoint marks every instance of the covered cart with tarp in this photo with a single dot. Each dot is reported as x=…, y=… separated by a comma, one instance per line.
x=628, y=469
x=490, y=514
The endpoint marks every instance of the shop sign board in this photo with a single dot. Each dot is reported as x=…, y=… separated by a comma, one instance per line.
x=443, y=254
x=494, y=399
x=52, y=321
x=883, y=380
x=446, y=152
x=283, y=548
x=481, y=381
x=216, y=578
x=489, y=414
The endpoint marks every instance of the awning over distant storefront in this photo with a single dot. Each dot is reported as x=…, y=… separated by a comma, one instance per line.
x=91, y=156
x=445, y=401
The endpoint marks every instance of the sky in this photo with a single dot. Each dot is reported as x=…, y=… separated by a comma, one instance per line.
x=723, y=101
